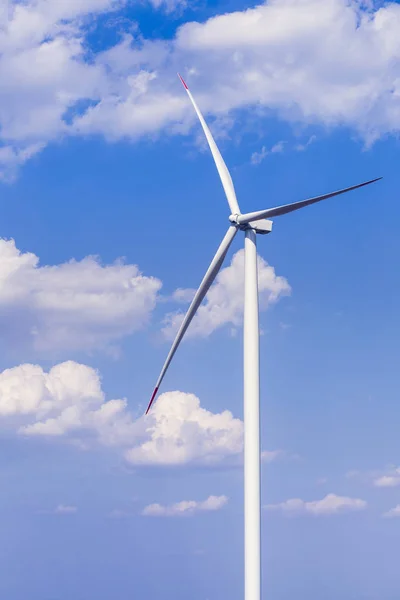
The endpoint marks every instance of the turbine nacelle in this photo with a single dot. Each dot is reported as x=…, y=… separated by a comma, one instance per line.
x=261, y=226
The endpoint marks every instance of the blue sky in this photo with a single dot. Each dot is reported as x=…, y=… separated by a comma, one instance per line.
x=111, y=206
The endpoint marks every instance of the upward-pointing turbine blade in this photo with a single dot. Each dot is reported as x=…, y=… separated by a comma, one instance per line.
x=209, y=277
x=288, y=208
x=224, y=174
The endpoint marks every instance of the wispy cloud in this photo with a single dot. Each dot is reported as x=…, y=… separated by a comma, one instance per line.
x=392, y=513
x=322, y=481
x=65, y=509
x=386, y=478
x=302, y=147
x=258, y=157
x=118, y=513
x=268, y=456
x=329, y=505
x=186, y=507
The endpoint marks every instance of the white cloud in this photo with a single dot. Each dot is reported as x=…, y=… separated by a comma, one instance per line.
x=43, y=71
x=302, y=59
x=385, y=478
x=224, y=301
x=117, y=513
x=183, y=295
x=49, y=73
x=186, y=507
x=63, y=509
x=258, y=157
x=322, y=481
x=270, y=455
x=278, y=148
x=68, y=403
x=331, y=504
x=306, y=58
x=302, y=147
x=28, y=390
x=181, y=431
x=387, y=481
x=391, y=479
x=392, y=513
x=353, y=474
x=78, y=305
x=13, y=157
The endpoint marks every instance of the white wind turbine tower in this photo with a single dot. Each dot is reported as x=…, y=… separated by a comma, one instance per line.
x=251, y=224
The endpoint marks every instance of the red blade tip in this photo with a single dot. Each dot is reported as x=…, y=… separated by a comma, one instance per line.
x=152, y=399
x=183, y=82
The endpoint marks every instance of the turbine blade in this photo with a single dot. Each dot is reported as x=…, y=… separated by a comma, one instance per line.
x=288, y=208
x=222, y=169
x=208, y=279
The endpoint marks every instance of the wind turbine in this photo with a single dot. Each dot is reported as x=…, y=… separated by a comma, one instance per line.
x=251, y=224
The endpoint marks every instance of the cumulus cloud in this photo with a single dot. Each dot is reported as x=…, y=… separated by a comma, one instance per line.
x=331, y=504
x=224, y=301
x=186, y=507
x=28, y=390
x=78, y=305
x=68, y=402
x=48, y=72
x=304, y=60
x=181, y=431
x=392, y=513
